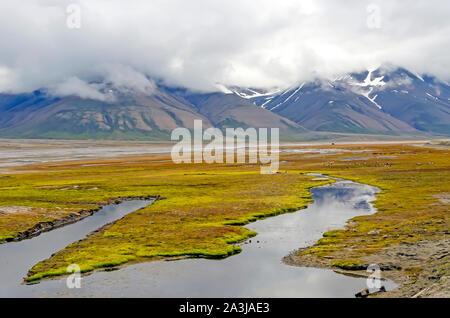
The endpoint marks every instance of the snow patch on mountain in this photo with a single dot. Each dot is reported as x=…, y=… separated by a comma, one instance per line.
x=372, y=99
x=289, y=97
x=377, y=81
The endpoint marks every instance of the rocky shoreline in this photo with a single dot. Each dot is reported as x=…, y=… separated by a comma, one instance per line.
x=42, y=227
x=420, y=269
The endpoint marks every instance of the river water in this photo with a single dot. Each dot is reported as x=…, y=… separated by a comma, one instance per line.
x=17, y=258
x=256, y=272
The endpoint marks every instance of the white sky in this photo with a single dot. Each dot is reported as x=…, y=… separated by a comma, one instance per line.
x=199, y=43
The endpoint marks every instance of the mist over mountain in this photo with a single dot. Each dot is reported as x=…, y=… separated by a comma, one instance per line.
x=206, y=44
x=129, y=114
x=378, y=101
x=110, y=69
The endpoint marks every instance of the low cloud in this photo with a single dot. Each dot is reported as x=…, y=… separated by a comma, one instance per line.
x=125, y=78
x=198, y=44
x=111, y=79
x=75, y=86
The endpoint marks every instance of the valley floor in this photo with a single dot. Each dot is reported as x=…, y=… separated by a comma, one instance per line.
x=205, y=207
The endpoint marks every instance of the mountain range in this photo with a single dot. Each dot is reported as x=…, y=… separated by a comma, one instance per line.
x=377, y=101
x=384, y=101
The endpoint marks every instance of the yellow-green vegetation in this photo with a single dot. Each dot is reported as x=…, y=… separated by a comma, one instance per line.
x=24, y=202
x=206, y=205
x=412, y=180
x=30, y=198
x=349, y=264
x=200, y=217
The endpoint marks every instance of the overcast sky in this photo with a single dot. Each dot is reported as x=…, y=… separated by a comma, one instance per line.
x=200, y=44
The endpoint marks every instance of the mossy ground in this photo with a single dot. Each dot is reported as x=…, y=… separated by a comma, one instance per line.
x=200, y=217
x=408, y=210
x=206, y=204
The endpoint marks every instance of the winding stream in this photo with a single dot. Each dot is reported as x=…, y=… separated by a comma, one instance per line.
x=17, y=258
x=256, y=272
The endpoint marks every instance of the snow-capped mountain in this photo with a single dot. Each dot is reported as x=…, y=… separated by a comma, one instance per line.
x=378, y=100
x=129, y=114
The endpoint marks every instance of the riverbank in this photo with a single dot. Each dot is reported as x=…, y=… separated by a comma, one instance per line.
x=419, y=269
x=255, y=272
x=18, y=257
x=205, y=206
x=45, y=226
x=408, y=238
x=206, y=202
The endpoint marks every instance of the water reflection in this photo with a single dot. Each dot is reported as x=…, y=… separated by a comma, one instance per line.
x=17, y=258
x=256, y=272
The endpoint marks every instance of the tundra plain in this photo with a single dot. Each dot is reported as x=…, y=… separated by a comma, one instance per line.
x=203, y=208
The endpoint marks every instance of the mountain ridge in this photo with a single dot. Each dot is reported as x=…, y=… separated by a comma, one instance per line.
x=378, y=101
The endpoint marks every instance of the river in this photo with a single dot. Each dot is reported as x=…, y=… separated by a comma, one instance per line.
x=256, y=272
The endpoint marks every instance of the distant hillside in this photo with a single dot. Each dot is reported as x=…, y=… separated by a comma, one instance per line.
x=387, y=102
x=129, y=116
x=378, y=101
x=229, y=110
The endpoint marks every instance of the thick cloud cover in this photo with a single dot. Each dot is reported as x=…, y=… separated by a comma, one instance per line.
x=200, y=44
